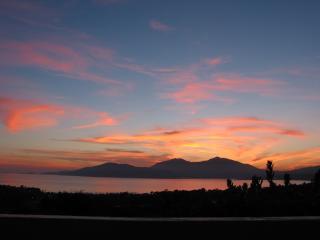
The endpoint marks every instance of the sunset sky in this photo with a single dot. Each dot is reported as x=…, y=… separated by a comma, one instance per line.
x=143, y=81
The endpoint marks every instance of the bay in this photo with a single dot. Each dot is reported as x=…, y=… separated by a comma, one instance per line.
x=56, y=183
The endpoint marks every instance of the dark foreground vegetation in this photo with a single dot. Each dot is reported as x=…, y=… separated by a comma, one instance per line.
x=246, y=200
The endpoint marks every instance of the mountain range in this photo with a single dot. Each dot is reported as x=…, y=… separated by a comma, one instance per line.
x=179, y=168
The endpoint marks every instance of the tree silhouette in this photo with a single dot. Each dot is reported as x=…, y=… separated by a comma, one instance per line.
x=270, y=174
x=286, y=179
x=256, y=183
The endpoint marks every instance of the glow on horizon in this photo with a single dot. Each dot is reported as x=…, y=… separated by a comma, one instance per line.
x=94, y=82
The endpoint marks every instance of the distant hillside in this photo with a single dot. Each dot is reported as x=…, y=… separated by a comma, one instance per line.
x=179, y=168
x=304, y=173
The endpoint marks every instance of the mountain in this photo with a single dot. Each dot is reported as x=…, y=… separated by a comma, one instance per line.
x=116, y=170
x=213, y=168
x=304, y=173
x=174, y=168
x=179, y=168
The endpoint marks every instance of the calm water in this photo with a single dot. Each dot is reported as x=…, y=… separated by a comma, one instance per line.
x=55, y=183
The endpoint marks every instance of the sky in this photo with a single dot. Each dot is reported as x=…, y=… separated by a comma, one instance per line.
x=143, y=81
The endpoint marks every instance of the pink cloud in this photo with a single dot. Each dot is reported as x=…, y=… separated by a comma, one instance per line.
x=18, y=115
x=25, y=7
x=192, y=92
x=104, y=120
x=252, y=124
x=184, y=76
x=59, y=58
x=237, y=83
x=196, y=90
x=55, y=57
x=43, y=54
x=214, y=61
x=101, y=53
x=107, y=2
x=159, y=26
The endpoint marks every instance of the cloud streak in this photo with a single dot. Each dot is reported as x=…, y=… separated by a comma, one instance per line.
x=194, y=90
x=55, y=57
x=72, y=159
x=159, y=26
x=292, y=159
x=104, y=120
x=20, y=114
x=241, y=138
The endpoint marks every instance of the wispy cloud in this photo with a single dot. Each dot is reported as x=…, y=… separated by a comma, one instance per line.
x=25, y=7
x=21, y=114
x=292, y=159
x=108, y=2
x=194, y=90
x=160, y=26
x=215, y=61
x=55, y=57
x=52, y=159
x=104, y=120
x=241, y=138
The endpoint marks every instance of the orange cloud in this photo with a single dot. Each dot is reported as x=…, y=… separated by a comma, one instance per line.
x=159, y=26
x=18, y=115
x=59, y=159
x=252, y=124
x=240, y=138
x=291, y=159
x=235, y=121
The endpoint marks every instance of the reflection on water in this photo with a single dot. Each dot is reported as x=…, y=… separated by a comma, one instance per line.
x=55, y=183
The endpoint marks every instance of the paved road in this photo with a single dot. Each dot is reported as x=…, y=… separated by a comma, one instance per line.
x=19, y=226
x=147, y=219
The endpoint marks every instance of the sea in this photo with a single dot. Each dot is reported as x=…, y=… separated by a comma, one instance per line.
x=59, y=183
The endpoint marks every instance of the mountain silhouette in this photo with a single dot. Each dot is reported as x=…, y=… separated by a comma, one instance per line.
x=179, y=168
x=304, y=173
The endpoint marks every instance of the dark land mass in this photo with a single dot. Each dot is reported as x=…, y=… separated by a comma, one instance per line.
x=247, y=200
x=179, y=168
x=236, y=211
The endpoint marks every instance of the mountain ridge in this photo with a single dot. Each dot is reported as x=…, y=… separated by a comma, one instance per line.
x=216, y=167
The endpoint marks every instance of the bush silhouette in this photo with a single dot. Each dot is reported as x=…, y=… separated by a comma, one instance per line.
x=230, y=184
x=316, y=181
x=245, y=187
x=286, y=179
x=256, y=183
